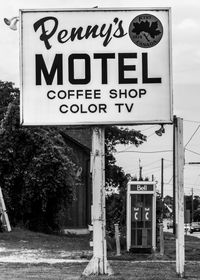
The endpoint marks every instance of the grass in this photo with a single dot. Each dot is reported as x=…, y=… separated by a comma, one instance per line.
x=123, y=271
x=135, y=268
x=192, y=250
x=22, y=238
x=25, y=239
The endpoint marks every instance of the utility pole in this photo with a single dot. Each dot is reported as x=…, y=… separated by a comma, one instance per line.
x=162, y=209
x=162, y=182
x=192, y=198
x=140, y=171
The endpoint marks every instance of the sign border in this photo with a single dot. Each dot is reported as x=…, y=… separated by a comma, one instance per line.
x=138, y=122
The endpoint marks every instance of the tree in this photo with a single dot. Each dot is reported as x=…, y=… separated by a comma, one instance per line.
x=115, y=176
x=196, y=206
x=37, y=170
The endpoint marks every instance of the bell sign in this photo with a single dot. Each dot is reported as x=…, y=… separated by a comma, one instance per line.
x=95, y=66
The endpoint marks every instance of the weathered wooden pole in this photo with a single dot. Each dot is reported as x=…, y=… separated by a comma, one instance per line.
x=4, y=213
x=98, y=264
x=161, y=239
x=179, y=195
x=117, y=240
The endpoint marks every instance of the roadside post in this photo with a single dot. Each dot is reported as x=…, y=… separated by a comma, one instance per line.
x=117, y=239
x=179, y=195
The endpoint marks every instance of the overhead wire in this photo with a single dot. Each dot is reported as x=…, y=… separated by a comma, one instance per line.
x=163, y=151
x=192, y=152
x=169, y=180
x=191, y=121
x=148, y=136
x=142, y=152
x=147, y=128
x=192, y=136
x=158, y=167
x=150, y=163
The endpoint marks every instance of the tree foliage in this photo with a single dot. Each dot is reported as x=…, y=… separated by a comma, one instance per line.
x=196, y=206
x=37, y=170
x=116, y=178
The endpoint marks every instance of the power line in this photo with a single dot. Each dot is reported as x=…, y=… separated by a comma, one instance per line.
x=147, y=128
x=168, y=160
x=140, y=152
x=186, y=187
x=192, y=152
x=170, y=181
x=151, y=163
x=158, y=167
x=148, y=136
x=191, y=121
x=192, y=136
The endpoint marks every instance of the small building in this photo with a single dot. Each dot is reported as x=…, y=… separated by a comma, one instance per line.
x=78, y=215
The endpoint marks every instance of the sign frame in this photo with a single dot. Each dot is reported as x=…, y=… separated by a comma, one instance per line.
x=81, y=122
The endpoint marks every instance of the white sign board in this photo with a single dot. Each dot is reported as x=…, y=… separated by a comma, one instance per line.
x=96, y=66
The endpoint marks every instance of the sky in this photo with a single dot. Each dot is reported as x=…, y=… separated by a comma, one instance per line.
x=186, y=85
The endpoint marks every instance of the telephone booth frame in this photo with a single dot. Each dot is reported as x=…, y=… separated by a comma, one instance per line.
x=135, y=188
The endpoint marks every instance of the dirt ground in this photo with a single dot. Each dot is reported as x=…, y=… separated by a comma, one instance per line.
x=28, y=255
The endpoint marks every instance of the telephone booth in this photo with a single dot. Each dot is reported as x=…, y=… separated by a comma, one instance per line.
x=141, y=216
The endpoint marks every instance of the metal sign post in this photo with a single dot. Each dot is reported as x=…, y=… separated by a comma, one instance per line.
x=98, y=264
x=179, y=195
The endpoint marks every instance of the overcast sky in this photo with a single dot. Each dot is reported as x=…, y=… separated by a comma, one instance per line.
x=186, y=81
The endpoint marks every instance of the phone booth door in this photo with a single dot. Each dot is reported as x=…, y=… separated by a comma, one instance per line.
x=141, y=220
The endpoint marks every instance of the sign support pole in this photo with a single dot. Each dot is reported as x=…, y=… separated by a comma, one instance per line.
x=98, y=264
x=179, y=195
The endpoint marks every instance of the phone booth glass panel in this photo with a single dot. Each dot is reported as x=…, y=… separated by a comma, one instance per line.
x=141, y=222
